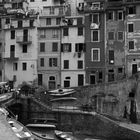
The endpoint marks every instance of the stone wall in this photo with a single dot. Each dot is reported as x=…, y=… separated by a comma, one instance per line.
x=113, y=96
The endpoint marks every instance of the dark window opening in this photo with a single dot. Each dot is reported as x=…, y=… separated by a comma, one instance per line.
x=13, y=34
x=42, y=47
x=65, y=32
x=80, y=31
x=66, y=64
x=24, y=66
x=80, y=47
x=66, y=47
x=42, y=62
x=54, y=46
x=40, y=79
x=80, y=64
x=24, y=48
x=111, y=56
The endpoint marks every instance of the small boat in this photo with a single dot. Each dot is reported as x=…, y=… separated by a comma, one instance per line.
x=50, y=126
x=43, y=136
x=63, y=99
x=61, y=92
x=20, y=130
x=64, y=135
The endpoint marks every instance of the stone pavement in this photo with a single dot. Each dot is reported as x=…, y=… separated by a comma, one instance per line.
x=6, y=132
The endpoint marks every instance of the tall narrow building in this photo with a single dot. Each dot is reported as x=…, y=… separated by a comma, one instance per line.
x=115, y=40
x=95, y=41
x=132, y=28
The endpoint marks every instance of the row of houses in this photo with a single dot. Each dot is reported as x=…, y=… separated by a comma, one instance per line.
x=57, y=43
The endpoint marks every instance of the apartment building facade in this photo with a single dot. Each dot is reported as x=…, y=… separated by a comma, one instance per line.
x=95, y=43
x=115, y=40
x=132, y=37
x=49, y=42
x=20, y=47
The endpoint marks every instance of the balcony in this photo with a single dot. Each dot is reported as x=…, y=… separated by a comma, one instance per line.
x=95, y=6
x=11, y=57
x=24, y=39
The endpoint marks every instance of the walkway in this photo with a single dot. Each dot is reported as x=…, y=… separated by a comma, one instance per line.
x=6, y=132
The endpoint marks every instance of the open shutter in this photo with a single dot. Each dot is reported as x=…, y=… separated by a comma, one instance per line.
x=62, y=50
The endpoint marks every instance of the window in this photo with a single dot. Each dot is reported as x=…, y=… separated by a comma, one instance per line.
x=24, y=66
x=32, y=0
x=51, y=10
x=58, y=20
x=7, y=21
x=111, y=36
x=120, y=35
x=53, y=62
x=80, y=64
x=40, y=79
x=120, y=15
x=132, y=10
x=52, y=83
x=31, y=23
x=95, y=35
x=12, y=34
x=55, y=33
x=111, y=56
x=42, y=62
x=131, y=45
x=65, y=32
x=20, y=24
x=79, y=21
x=110, y=15
x=42, y=34
x=100, y=76
x=95, y=18
x=66, y=83
x=42, y=47
x=54, y=47
x=66, y=64
x=14, y=78
x=48, y=21
x=15, y=66
x=130, y=27
x=80, y=31
x=66, y=47
x=79, y=47
x=95, y=54
x=80, y=79
x=111, y=76
x=120, y=70
x=24, y=48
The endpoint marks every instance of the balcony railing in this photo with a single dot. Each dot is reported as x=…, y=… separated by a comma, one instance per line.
x=11, y=57
x=24, y=39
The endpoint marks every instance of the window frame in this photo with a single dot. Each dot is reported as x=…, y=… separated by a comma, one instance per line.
x=97, y=16
x=113, y=36
x=42, y=46
x=24, y=66
x=64, y=64
x=92, y=35
x=113, y=16
x=51, y=62
x=42, y=62
x=130, y=23
x=118, y=35
x=80, y=31
x=121, y=16
x=99, y=57
x=129, y=45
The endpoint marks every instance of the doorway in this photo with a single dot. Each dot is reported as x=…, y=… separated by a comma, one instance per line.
x=92, y=79
x=134, y=68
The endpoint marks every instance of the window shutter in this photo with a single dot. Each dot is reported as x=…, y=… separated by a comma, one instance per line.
x=62, y=50
x=70, y=47
x=50, y=62
x=76, y=47
x=90, y=17
x=84, y=49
